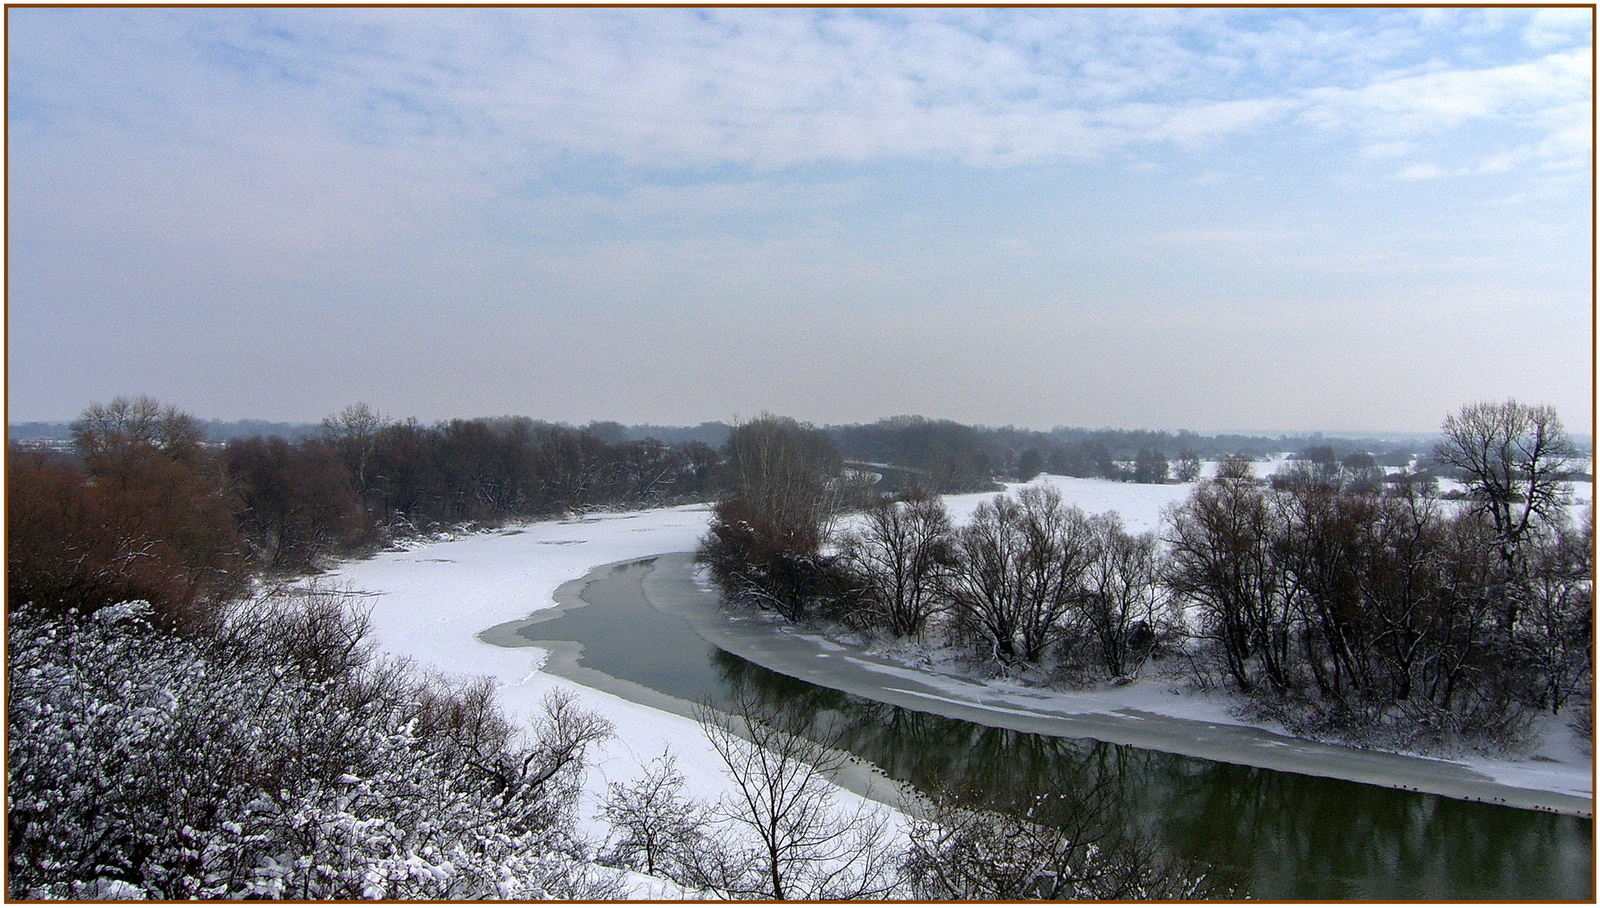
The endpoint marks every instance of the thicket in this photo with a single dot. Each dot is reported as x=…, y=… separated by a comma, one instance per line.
x=784, y=485
x=274, y=757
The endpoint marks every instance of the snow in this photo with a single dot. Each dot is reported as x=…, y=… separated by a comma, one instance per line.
x=1140, y=505
x=430, y=602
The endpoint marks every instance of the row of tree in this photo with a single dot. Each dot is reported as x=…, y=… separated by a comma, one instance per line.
x=491, y=469
x=1027, y=578
x=1335, y=598
x=1352, y=610
x=949, y=457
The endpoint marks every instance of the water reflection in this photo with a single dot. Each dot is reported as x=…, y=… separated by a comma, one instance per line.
x=1280, y=835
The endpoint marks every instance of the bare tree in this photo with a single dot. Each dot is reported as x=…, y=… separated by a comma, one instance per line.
x=1222, y=560
x=108, y=436
x=656, y=829
x=898, y=556
x=1150, y=465
x=1056, y=554
x=353, y=434
x=1188, y=466
x=765, y=539
x=1019, y=572
x=785, y=470
x=1557, y=632
x=146, y=518
x=1127, y=607
x=805, y=844
x=1235, y=468
x=298, y=504
x=1515, y=460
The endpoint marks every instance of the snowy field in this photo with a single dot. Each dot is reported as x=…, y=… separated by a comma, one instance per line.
x=430, y=601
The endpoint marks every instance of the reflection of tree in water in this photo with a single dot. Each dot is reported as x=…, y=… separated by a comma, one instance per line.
x=1290, y=836
x=1304, y=837
x=926, y=750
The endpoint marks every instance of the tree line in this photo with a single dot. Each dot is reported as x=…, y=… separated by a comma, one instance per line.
x=144, y=508
x=1326, y=595
x=949, y=457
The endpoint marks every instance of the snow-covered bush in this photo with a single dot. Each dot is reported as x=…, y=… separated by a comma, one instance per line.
x=275, y=759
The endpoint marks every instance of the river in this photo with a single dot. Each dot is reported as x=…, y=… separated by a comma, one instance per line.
x=639, y=630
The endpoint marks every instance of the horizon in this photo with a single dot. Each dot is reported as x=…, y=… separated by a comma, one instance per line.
x=1186, y=216
x=1373, y=434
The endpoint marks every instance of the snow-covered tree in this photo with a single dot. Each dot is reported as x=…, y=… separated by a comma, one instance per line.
x=655, y=829
x=897, y=559
x=144, y=764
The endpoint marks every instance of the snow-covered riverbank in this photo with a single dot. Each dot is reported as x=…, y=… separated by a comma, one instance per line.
x=430, y=603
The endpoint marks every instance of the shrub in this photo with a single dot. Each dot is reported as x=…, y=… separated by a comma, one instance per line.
x=144, y=764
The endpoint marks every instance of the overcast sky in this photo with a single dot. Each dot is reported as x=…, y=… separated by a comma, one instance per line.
x=1205, y=219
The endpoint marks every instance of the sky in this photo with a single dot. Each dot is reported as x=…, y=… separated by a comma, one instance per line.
x=1205, y=219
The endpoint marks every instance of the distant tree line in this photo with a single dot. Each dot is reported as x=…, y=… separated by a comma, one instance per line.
x=1327, y=595
x=143, y=508
x=945, y=457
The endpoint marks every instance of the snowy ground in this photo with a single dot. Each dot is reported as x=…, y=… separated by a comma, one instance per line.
x=431, y=601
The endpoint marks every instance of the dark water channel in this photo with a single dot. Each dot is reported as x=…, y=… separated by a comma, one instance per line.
x=1277, y=835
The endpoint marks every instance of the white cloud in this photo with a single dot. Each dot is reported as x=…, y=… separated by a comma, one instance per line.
x=1441, y=100
x=1538, y=112
x=1557, y=27
x=403, y=184
x=514, y=92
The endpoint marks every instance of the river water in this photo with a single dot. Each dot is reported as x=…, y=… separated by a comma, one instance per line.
x=1276, y=835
